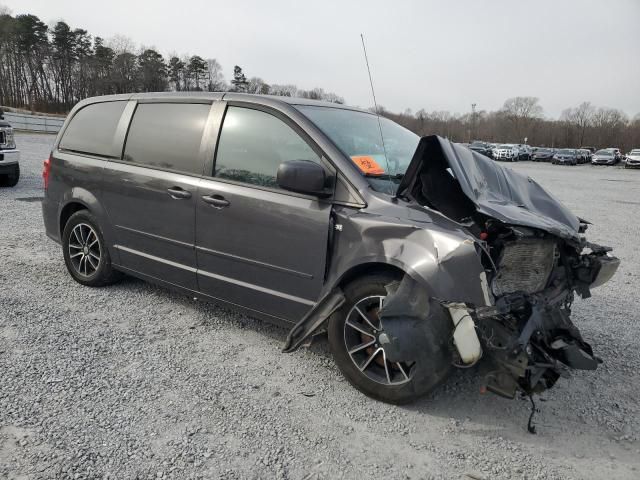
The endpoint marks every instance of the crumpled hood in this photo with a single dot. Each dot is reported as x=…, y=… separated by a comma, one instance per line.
x=496, y=191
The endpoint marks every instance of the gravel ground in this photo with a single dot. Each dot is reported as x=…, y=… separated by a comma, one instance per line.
x=135, y=381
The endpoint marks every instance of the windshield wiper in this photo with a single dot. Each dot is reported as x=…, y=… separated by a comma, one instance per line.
x=395, y=176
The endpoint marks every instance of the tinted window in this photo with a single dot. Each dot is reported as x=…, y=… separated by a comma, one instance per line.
x=253, y=144
x=167, y=135
x=93, y=128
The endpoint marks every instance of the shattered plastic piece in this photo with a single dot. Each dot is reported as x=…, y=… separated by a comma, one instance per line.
x=313, y=320
x=404, y=316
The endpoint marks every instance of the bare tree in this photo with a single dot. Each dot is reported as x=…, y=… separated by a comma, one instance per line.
x=521, y=111
x=257, y=85
x=215, y=80
x=284, y=90
x=608, y=125
x=582, y=117
x=121, y=44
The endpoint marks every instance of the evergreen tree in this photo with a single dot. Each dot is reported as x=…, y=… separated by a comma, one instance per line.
x=239, y=82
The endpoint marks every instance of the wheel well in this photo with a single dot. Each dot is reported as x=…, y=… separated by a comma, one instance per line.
x=370, y=269
x=67, y=211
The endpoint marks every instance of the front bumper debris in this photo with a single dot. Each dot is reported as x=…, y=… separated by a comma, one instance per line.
x=531, y=338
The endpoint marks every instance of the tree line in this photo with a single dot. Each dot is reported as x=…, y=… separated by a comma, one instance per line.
x=49, y=69
x=521, y=120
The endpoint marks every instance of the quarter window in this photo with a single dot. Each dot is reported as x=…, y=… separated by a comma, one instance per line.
x=253, y=144
x=92, y=130
x=168, y=136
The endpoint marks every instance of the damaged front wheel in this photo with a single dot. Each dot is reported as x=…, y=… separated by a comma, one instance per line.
x=358, y=340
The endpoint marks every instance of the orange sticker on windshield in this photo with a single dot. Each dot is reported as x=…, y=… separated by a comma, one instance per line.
x=367, y=165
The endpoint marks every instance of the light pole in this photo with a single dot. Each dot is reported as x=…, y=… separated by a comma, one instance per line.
x=473, y=121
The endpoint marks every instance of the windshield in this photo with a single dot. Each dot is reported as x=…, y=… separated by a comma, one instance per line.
x=505, y=147
x=357, y=135
x=566, y=151
x=543, y=150
x=634, y=152
x=604, y=153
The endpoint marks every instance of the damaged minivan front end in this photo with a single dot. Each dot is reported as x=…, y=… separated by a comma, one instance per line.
x=491, y=265
x=535, y=257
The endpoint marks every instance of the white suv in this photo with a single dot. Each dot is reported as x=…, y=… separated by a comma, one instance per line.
x=507, y=152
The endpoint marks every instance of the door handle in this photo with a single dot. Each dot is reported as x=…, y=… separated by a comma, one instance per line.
x=178, y=193
x=216, y=201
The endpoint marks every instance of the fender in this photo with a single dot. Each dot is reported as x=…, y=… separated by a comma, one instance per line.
x=90, y=202
x=442, y=259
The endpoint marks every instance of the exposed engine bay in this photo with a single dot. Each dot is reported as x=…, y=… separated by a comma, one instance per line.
x=533, y=275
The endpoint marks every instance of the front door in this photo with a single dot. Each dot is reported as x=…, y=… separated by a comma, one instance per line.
x=151, y=194
x=259, y=246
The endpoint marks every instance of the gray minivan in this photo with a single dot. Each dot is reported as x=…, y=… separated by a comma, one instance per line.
x=415, y=255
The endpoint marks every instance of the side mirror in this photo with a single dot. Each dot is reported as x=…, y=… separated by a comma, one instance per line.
x=302, y=176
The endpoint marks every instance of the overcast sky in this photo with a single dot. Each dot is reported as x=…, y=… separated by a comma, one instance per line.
x=436, y=55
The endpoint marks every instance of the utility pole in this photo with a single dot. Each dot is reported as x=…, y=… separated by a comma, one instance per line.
x=473, y=122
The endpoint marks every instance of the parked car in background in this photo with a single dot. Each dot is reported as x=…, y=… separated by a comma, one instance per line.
x=525, y=152
x=543, y=154
x=292, y=211
x=506, y=152
x=9, y=157
x=482, y=148
x=591, y=149
x=617, y=153
x=633, y=159
x=605, y=156
x=585, y=155
x=566, y=156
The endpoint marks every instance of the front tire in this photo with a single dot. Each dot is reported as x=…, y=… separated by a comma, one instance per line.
x=85, y=251
x=353, y=337
x=11, y=179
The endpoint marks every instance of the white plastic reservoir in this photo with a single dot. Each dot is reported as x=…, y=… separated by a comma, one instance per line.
x=464, y=335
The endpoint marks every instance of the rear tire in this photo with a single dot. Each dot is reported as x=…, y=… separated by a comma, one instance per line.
x=85, y=252
x=400, y=382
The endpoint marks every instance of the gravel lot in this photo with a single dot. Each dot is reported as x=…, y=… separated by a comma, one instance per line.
x=134, y=381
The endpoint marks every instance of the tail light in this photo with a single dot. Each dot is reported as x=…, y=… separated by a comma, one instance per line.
x=46, y=172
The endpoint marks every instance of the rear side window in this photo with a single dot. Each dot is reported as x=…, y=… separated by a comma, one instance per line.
x=167, y=135
x=92, y=130
x=253, y=144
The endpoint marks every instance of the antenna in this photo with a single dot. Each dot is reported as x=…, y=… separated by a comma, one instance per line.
x=375, y=104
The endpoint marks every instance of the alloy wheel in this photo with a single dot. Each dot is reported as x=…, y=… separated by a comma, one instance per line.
x=84, y=250
x=362, y=334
